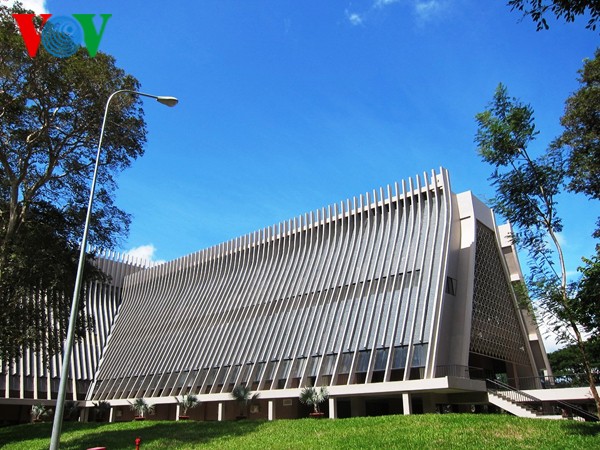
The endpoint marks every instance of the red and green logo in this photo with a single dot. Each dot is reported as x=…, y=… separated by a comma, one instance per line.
x=61, y=36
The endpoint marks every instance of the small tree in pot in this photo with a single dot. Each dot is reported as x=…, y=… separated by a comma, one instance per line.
x=71, y=411
x=187, y=402
x=37, y=412
x=242, y=395
x=311, y=396
x=141, y=408
x=102, y=410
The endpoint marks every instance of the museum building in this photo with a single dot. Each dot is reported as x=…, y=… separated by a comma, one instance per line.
x=400, y=300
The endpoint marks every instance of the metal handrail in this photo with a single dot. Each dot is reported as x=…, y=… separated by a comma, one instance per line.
x=517, y=396
x=588, y=416
x=556, y=381
x=502, y=389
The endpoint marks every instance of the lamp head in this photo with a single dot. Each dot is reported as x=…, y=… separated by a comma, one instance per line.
x=169, y=101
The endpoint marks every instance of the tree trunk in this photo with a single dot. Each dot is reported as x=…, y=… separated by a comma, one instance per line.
x=574, y=327
x=587, y=367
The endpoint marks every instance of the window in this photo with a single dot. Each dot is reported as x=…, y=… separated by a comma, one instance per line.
x=450, y=286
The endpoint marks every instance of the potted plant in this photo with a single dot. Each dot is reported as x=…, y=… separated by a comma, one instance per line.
x=37, y=412
x=102, y=410
x=311, y=396
x=243, y=396
x=187, y=402
x=71, y=411
x=141, y=408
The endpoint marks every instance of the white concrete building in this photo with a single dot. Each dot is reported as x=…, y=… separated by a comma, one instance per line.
x=398, y=300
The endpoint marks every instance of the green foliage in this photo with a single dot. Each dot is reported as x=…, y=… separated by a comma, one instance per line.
x=141, y=407
x=567, y=361
x=581, y=136
x=428, y=431
x=523, y=300
x=587, y=308
x=50, y=115
x=506, y=128
x=40, y=259
x=312, y=396
x=38, y=411
x=102, y=410
x=567, y=9
x=525, y=188
x=71, y=411
x=242, y=394
x=188, y=402
x=526, y=191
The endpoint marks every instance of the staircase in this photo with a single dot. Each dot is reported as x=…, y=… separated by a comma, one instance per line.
x=516, y=402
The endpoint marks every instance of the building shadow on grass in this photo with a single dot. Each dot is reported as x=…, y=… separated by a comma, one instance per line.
x=584, y=428
x=184, y=434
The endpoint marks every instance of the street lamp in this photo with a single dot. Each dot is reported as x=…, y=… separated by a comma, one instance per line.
x=62, y=390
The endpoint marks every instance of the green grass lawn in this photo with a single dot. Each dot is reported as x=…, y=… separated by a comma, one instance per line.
x=430, y=431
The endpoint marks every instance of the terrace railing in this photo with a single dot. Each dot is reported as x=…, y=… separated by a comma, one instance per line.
x=516, y=396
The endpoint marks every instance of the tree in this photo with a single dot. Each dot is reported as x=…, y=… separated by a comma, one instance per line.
x=102, y=410
x=50, y=115
x=40, y=267
x=567, y=9
x=581, y=136
x=244, y=397
x=141, y=407
x=312, y=396
x=587, y=308
x=526, y=190
x=567, y=361
x=71, y=411
x=188, y=402
x=38, y=411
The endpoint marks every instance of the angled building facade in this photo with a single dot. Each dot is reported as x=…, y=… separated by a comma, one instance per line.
x=401, y=297
x=399, y=301
x=35, y=377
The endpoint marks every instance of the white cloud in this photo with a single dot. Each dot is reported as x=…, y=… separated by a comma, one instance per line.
x=423, y=10
x=550, y=339
x=354, y=18
x=144, y=253
x=560, y=237
x=383, y=3
x=37, y=6
x=427, y=9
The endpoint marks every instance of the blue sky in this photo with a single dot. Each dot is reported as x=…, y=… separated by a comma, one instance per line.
x=287, y=106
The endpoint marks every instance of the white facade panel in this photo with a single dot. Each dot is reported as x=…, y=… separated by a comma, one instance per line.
x=330, y=297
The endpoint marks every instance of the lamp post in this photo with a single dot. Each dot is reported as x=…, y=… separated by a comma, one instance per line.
x=62, y=390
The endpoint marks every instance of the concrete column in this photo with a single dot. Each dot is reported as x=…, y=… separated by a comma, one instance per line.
x=84, y=414
x=515, y=375
x=111, y=415
x=220, y=411
x=177, y=406
x=271, y=409
x=332, y=408
x=73, y=385
x=406, y=404
x=21, y=379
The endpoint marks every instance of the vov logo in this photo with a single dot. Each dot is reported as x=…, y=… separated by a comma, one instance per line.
x=61, y=36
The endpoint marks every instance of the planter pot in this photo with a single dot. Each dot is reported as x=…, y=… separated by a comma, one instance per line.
x=316, y=415
x=184, y=417
x=139, y=418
